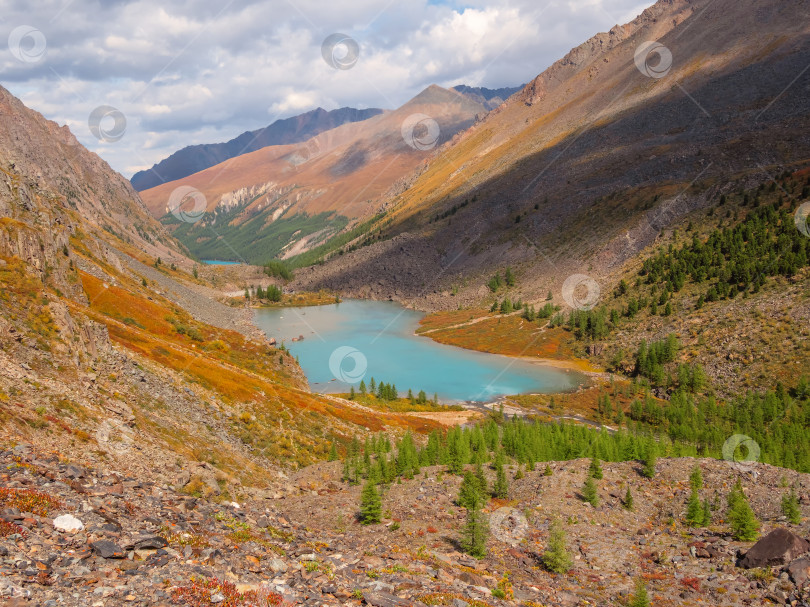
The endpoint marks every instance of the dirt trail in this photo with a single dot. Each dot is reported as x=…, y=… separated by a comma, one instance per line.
x=470, y=322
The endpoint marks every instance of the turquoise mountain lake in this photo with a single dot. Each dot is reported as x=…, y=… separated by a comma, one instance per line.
x=356, y=339
x=214, y=262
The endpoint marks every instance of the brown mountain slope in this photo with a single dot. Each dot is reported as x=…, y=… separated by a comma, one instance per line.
x=51, y=183
x=340, y=169
x=195, y=158
x=585, y=167
x=343, y=171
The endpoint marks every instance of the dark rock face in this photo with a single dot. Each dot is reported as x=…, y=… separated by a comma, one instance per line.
x=799, y=571
x=195, y=158
x=108, y=550
x=153, y=542
x=778, y=548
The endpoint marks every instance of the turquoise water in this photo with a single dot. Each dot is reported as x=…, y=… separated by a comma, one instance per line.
x=214, y=262
x=355, y=339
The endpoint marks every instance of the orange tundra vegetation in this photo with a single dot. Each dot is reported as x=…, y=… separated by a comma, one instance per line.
x=509, y=335
x=223, y=361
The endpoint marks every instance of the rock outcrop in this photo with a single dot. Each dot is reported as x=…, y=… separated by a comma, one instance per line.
x=776, y=549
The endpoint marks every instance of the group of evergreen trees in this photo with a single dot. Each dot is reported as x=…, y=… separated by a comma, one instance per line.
x=526, y=442
x=468, y=451
x=734, y=259
x=383, y=391
x=778, y=420
x=547, y=311
x=530, y=313
x=731, y=261
x=472, y=496
x=650, y=359
x=496, y=282
x=389, y=392
x=272, y=293
x=279, y=269
x=522, y=441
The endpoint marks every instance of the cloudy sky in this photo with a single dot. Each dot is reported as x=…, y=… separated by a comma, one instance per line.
x=195, y=71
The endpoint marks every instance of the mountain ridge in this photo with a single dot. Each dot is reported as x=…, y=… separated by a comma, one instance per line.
x=283, y=200
x=194, y=158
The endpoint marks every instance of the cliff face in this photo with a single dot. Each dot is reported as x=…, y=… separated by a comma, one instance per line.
x=52, y=185
x=592, y=54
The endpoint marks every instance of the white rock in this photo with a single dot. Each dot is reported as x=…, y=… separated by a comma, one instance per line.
x=68, y=522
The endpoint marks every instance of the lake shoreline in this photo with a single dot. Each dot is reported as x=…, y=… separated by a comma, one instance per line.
x=458, y=382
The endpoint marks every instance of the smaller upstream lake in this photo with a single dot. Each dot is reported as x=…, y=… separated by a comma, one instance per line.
x=357, y=339
x=214, y=262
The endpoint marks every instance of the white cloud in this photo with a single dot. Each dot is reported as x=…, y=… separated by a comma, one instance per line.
x=191, y=71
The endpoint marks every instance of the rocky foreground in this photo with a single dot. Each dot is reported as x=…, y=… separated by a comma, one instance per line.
x=75, y=536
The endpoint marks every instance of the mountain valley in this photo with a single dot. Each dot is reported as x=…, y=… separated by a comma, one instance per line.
x=637, y=216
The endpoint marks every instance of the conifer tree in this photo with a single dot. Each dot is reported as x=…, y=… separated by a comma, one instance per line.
x=547, y=471
x=744, y=524
x=790, y=507
x=590, y=493
x=375, y=474
x=352, y=394
x=556, y=557
x=333, y=454
x=696, y=479
x=627, y=502
x=469, y=495
x=363, y=389
x=595, y=470
x=649, y=462
x=707, y=512
x=474, y=537
x=370, y=505
x=640, y=598
x=455, y=461
x=694, y=510
x=501, y=487
x=481, y=479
